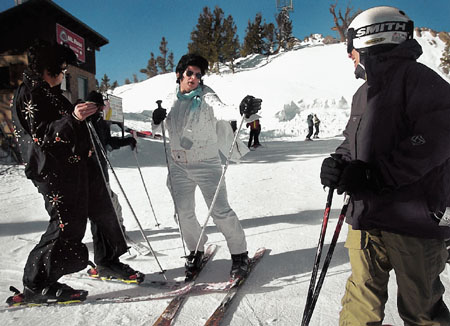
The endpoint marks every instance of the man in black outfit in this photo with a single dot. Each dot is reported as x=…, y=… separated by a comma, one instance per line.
x=395, y=164
x=61, y=164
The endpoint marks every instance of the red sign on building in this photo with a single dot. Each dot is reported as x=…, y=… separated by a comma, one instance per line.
x=75, y=42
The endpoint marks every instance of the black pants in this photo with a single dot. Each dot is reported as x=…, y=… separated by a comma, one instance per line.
x=316, y=133
x=310, y=132
x=254, y=137
x=69, y=203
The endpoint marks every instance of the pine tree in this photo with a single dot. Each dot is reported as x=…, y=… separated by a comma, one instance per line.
x=104, y=85
x=127, y=81
x=215, y=38
x=253, y=41
x=229, y=47
x=170, y=62
x=214, y=55
x=115, y=84
x=269, y=39
x=202, y=39
x=135, y=79
x=152, y=69
x=163, y=61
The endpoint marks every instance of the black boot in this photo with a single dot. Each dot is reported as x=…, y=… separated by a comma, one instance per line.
x=116, y=269
x=239, y=267
x=56, y=292
x=193, y=264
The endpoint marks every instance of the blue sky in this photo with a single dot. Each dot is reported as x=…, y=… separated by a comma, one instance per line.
x=134, y=28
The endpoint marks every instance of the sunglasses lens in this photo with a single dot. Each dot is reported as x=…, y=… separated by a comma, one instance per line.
x=198, y=75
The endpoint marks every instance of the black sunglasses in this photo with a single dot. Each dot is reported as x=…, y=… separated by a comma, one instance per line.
x=189, y=73
x=350, y=36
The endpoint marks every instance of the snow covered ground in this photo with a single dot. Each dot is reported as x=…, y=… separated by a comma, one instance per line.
x=275, y=190
x=276, y=193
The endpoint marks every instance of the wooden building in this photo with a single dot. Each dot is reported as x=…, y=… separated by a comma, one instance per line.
x=20, y=26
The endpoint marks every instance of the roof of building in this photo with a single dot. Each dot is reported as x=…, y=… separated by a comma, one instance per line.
x=47, y=8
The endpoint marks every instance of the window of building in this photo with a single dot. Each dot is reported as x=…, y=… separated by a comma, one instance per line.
x=82, y=87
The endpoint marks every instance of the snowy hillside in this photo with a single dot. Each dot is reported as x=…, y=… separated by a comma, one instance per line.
x=312, y=78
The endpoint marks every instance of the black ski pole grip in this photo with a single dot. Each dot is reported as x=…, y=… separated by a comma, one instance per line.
x=14, y=289
x=159, y=104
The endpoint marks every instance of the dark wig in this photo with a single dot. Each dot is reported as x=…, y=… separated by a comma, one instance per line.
x=191, y=59
x=43, y=55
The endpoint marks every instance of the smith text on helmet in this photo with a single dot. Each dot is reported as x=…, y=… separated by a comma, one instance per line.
x=382, y=27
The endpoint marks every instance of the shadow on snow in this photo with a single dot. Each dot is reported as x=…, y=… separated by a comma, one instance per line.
x=151, y=152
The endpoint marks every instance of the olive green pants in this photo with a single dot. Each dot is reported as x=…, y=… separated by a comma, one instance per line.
x=417, y=264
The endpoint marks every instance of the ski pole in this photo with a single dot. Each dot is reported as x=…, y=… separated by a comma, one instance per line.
x=222, y=177
x=105, y=182
x=169, y=176
x=145, y=187
x=327, y=261
x=93, y=133
x=323, y=231
x=103, y=172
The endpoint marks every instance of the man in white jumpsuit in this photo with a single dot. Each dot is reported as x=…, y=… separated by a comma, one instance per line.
x=196, y=136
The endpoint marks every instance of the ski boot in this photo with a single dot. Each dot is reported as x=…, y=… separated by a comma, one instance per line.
x=57, y=292
x=239, y=267
x=116, y=270
x=193, y=265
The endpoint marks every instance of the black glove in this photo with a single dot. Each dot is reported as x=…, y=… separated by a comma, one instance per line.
x=250, y=105
x=132, y=142
x=359, y=176
x=331, y=170
x=159, y=115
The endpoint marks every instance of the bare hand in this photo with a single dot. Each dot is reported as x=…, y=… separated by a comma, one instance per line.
x=84, y=110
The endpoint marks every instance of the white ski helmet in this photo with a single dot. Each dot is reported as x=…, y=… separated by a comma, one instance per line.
x=379, y=25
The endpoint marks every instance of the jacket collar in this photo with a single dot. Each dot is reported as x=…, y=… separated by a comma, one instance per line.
x=377, y=66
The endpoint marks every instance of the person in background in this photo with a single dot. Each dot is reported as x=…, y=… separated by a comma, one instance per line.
x=194, y=161
x=316, y=122
x=394, y=163
x=109, y=143
x=255, y=130
x=61, y=166
x=103, y=128
x=309, y=121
